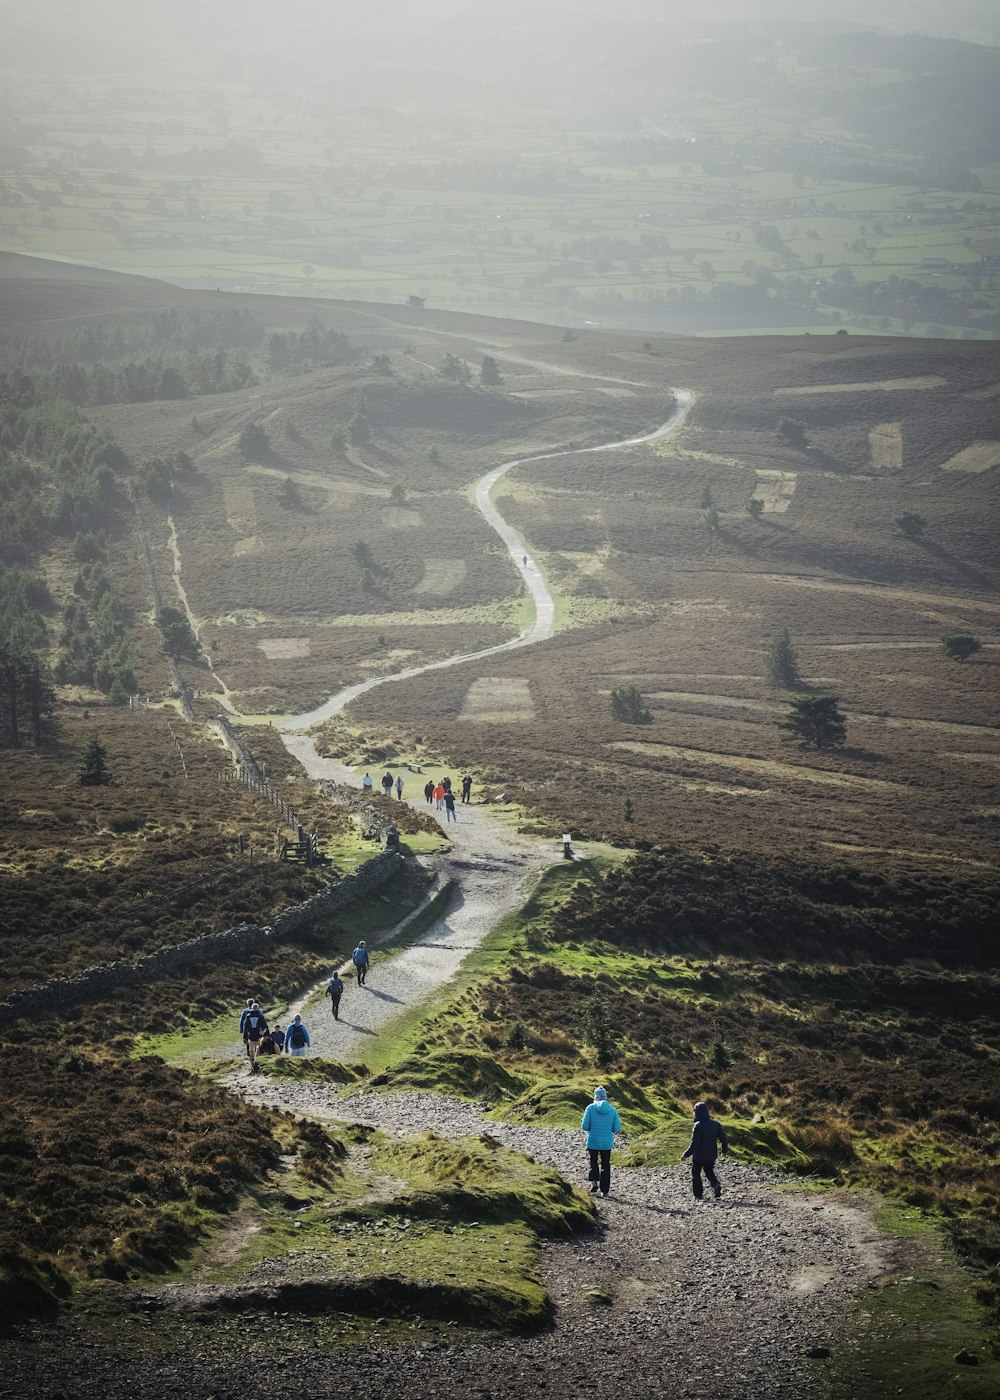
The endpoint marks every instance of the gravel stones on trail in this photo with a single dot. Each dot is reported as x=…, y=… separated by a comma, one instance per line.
x=718, y=1298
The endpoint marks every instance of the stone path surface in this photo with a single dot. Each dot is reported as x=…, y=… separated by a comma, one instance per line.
x=718, y=1299
x=491, y=866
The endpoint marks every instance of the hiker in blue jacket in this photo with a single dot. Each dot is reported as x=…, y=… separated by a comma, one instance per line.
x=599, y=1125
x=706, y=1137
x=296, y=1038
x=360, y=960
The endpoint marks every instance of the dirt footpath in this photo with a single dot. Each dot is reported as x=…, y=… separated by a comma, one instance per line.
x=491, y=867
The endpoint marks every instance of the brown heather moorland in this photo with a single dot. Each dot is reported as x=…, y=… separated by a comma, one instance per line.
x=873, y=1059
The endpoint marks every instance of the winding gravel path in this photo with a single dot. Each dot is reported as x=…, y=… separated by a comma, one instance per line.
x=540, y=629
x=490, y=867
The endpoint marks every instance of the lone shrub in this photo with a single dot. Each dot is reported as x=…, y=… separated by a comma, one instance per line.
x=793, y=432
x=960, y=646
x=253, y=440
x=629, y=707
x=910, y=524
x=596, y=1029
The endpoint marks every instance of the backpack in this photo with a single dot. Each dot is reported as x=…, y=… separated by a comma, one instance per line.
x=255, y=1026
x=297, y=1036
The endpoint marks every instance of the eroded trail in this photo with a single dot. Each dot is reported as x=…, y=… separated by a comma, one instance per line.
x=719, y=1299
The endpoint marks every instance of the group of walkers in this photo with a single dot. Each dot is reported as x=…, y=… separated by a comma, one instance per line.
x=601, y=1123
x=439, y=793
x=261, y=1039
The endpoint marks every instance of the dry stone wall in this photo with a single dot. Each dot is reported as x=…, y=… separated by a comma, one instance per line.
x=64, y=994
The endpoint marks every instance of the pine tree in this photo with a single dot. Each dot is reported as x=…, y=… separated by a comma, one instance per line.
x=816, y=720
x=489, y=372
x=93, y=770
x=782, y=669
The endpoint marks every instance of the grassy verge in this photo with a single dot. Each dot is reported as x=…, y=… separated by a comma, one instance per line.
x=905, y=1336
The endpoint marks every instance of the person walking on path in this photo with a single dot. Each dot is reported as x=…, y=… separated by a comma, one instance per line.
x=253, y=1030
x=599, y=1125
x=446, y=784
x=267, y=1046
x=399, y=788
x=429, y=790
x=366, y=783
x=449, y=807
x=439, y=792
x=243, y=1022
x=360, y=960
x=387, y=783
x=466, y=789
x=706, y=1137
x=278, y=1036
x=297, y=1039
x=335, y=990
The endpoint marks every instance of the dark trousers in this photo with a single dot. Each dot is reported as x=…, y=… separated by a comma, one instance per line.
x=601, y=1175
x=362, y=973
x=335, y=1007
x=709, y=1169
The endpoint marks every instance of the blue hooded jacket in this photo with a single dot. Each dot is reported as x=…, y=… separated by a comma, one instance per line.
x=600, y=1123
x=706, y=1136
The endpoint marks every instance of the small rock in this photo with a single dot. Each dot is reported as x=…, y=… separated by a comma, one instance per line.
x=818, y=1353
x=966, y=1358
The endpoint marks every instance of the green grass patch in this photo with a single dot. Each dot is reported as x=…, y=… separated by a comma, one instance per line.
x=905, y=1336
x=427, y=1227
x=315, y=1069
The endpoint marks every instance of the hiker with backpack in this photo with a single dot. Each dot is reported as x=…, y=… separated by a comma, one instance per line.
x=335, y=990
x=706, y=1138
x=243, y=1022
x=267, y=1045
x=360, y=960
x=599, y=1125
x=297, y=1039
x=253, y=1029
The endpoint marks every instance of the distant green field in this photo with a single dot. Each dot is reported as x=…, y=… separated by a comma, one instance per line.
x=546, y=215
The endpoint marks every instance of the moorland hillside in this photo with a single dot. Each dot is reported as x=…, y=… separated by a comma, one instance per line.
x=244, y=505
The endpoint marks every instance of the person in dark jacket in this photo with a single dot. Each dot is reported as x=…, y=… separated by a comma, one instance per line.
x=706, y=1138
x=253, y=1028
x=335, y=990
x=599, y=1125
x=429, y=789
